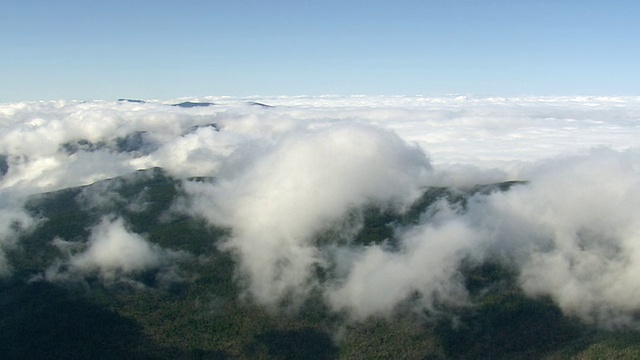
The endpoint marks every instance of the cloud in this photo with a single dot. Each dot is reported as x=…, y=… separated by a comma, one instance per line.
x=287, y=175
x=425, y=267
x=482, y=132
x=14, y=221
x=573, y=232
x=299, y=186
x=113, y=249
x=112, y=253
x=570, y=233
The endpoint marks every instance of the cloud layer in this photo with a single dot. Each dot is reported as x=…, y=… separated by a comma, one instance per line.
x=292, y=183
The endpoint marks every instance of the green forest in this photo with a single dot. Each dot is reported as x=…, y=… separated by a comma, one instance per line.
x=196, y=308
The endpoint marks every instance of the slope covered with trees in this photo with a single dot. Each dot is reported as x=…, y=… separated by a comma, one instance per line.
x=194, y=306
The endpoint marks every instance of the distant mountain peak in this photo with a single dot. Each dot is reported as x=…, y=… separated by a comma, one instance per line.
x=191, y=104
x=255, y=103
x=137, y=101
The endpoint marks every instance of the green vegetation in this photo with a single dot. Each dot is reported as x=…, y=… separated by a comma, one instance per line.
x=4, y=165
x=129, y=143
x=205, y=315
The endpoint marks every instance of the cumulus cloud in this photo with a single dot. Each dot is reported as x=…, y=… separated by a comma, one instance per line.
x=425, y=267
x=112, y=248
x=112, y=252
x=298, y=186
x=570, y=233
x=573, y=231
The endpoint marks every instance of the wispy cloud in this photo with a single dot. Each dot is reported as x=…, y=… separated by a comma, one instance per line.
x=112, y=253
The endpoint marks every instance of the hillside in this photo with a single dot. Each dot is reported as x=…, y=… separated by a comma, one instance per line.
x=181, y=296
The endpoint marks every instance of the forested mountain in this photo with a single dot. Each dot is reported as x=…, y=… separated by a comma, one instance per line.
x=118, y=269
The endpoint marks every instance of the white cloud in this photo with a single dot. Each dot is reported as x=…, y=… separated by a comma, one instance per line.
x=574, y=233
x=426, y=266
x=467, y=131
x=112, y=248
x=112, y=252
x=571, y=233
x=285, y=173
x=14, y=221
x=300, y=185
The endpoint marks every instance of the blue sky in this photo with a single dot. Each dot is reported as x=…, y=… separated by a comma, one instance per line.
x=164, y=49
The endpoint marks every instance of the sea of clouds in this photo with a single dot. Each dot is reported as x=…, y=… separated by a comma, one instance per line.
x=291, y=170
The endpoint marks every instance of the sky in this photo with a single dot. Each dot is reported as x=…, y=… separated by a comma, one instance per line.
x=79, y=50
x=371, y=102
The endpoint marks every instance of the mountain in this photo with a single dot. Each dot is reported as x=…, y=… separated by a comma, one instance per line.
x=133, y=142
x=259, y=104
x=190, y=104
x=135, y=101
x=64, y=300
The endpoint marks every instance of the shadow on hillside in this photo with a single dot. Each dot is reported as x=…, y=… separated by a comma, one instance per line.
x=504, y=323
x=294, y=344
x=42, y=321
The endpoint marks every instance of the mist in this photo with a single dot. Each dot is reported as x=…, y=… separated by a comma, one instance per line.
x=291, y=183
x=112, y=253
